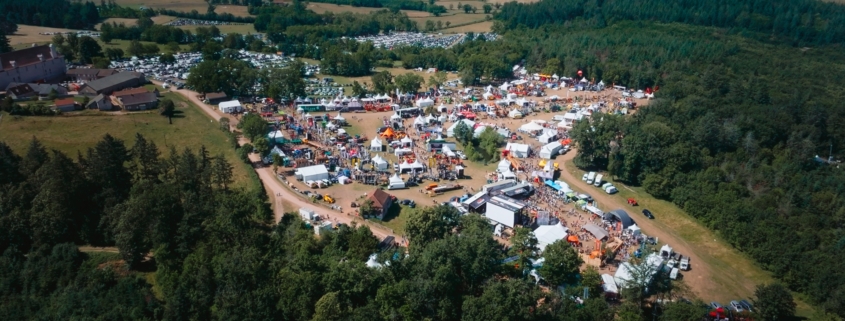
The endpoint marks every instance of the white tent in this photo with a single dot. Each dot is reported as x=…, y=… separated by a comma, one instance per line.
x=339, y=118
x=609, y=284
x=514, y=114
x=420, y=120
x=548, y=234
x=341, y=131
x=379, y=163
x=425, y=102
x=416, y=165
x=376, y=145
x=530, y=127
x=518, y=150
x=407, y=141
x=478, y=130
x=373, y=263
x=430, y=118
x=331, y=126
x=402, y=151
x=313, y=173
x=550, y=150
x=395, y=117
x=447, y=151
x=504, y=166
x=442, y=118
x=396, y=182
x=547, y=137
x=232, y=106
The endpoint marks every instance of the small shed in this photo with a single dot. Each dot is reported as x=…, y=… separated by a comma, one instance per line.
x=307, y=214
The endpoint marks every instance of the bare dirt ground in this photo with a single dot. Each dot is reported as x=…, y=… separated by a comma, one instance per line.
x=276, y=190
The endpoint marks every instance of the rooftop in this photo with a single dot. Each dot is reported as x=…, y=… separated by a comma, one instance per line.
x=65, y=102
x=379, y=197
x=131, y=91
x=25, y=57
x=112, y=80
x=142, y=98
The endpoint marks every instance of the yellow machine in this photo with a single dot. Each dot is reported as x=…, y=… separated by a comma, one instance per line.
x=328, y=199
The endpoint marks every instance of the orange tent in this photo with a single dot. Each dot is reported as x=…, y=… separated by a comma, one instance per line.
x=566, y=141
x=388, y=133
x=572, y=239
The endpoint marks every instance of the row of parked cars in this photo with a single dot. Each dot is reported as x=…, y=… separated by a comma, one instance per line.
x=738, y=306
x=596, y=180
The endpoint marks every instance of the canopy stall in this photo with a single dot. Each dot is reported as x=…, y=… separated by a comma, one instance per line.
x=376, y=145
x=448, y=151
x=379, y=163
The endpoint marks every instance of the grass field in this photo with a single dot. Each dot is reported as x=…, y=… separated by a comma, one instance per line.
x=334, y=8
x=455, y=19
x=184, y=5
x=729, y=263
x=69, y=134
x=241, y=29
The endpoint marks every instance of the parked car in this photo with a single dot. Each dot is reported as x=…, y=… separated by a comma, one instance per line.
x=648, y=214
x=745, y=305
x=408, y=203
x=715, y=305
x=736, y=306
x=461, y=155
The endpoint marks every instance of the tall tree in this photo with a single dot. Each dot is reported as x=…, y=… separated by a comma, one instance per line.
x=430, y=223
x=524, y=247
x=773, y=302
x=562, y=263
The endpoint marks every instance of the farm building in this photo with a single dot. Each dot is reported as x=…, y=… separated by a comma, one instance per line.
x=141, y=101
x=101, y=102
x=65, y=105
x=89, y=74
x=112, y=83
x=381, y=202
x=216, y=98
x=34, y=64
x=18, y=90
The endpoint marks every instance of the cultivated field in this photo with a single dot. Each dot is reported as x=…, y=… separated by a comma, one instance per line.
x=69, y=134
x=324, y=7
x=454, y=19
x=485, y=26
x=184, y=5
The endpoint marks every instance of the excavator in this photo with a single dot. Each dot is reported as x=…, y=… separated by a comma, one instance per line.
x=328, y=199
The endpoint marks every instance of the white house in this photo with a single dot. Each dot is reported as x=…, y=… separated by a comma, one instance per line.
x=312, y=173
x=232, y=106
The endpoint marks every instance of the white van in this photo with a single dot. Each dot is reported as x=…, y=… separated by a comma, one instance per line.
x=597, y=182
x=674, y=274
x=591, y=177
x=611, y=190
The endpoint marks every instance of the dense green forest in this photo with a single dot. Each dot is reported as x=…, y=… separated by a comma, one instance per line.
x=191, y=248
x=731, y=139
x=51, y=13
x=798, y=22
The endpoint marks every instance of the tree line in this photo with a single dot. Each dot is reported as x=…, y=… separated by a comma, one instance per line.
x=801, y=22
x=51, y=13
x=738, y=138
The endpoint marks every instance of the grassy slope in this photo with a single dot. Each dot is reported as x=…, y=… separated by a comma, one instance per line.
x=69, y=134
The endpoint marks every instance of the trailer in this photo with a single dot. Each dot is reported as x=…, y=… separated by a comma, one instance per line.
x=442, y=189
x=684, y=266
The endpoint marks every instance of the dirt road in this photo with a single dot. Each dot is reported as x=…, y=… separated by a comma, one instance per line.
x=699, y=278
x=275, y=188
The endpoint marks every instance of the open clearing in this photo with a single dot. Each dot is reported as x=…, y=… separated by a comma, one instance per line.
x=455, y=19
x=69, y=134
x=30, y=34
x=239, y=28
x=335, y=8
x=485, y=26
x=185, y=6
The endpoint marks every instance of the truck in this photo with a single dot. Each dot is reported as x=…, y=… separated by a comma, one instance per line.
x=591, y=177
x=684, y=266
x=597, y=182
x=444, y=188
